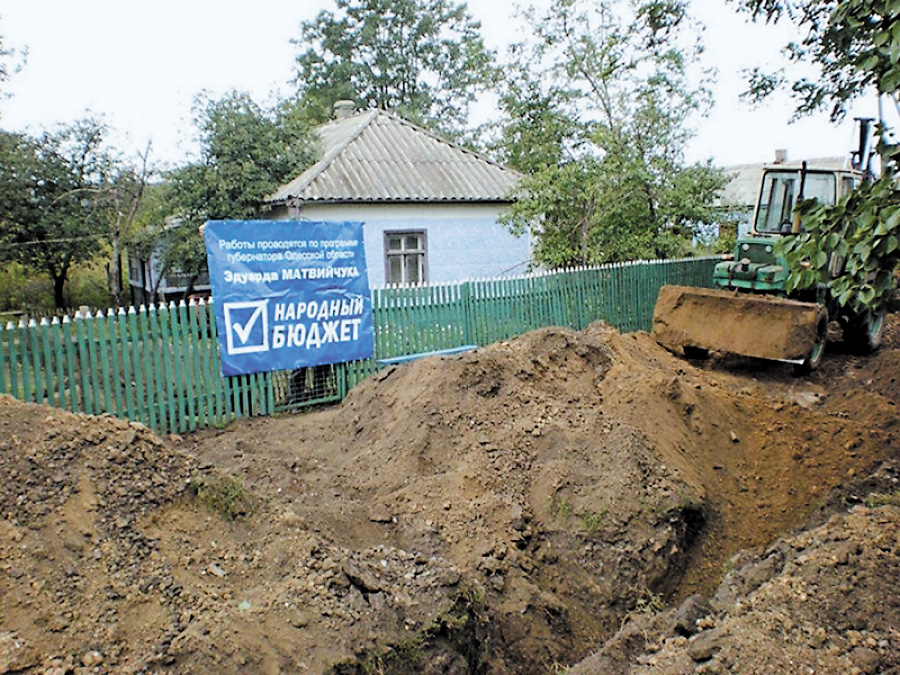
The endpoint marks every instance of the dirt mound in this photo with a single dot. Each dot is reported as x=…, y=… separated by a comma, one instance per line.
x=78, y=570
x=498, y=511
x=503, y=462
x=572, y=476
x=112, y=561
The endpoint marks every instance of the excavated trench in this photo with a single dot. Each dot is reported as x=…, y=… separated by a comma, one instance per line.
x=501, y=511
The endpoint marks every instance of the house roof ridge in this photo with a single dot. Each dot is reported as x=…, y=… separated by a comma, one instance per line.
x=366, y=119
x=312, y=173
x=380, y=156
x=791, y=163
x=447, y=141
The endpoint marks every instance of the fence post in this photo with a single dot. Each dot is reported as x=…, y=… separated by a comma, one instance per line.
x=468, y=314
x=4, y=362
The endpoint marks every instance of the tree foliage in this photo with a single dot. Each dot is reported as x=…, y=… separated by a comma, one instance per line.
x=855, y=44
x=5, y=54
x=52, y=209
x=247, y=151
x=862, y=231
x=11, y=61
x=124, y=195
x=424, y=59
x=597, y=117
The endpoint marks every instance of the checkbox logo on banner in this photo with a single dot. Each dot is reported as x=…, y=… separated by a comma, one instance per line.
x=247, y=326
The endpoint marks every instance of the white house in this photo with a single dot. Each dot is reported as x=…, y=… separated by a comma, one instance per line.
x=430, y=208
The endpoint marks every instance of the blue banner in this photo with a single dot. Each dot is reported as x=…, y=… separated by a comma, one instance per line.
x=289, y=294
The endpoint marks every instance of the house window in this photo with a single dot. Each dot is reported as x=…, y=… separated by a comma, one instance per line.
x=404, y=254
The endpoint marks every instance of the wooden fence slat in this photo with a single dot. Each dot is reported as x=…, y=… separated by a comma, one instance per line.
x=58, y=360
x=158, y=374
x=101, y=324
x=174, y=365
x=84, y=364
x=125, y=347
x=198, y=383
x=5, y=362
x=15, y=360
x=48, y=363
x=67, y=343
x=140, y=358
x=34, y=364
x=115, y=360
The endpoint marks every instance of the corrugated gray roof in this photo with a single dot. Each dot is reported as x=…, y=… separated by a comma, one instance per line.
x=376, y=156
x=743, y=187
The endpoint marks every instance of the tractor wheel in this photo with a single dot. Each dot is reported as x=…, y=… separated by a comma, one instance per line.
x=863, y=333
x=814, y=360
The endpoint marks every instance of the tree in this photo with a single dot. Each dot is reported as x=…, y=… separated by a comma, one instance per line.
x=246, y=152
x=9, y=63
x=5, y=54
x=596, y=117
x=854, y=46
x=66, y=198
x=50, y=210
x=124, y=196
x=424, y=59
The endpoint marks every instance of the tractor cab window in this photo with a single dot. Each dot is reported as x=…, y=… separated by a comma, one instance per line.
x=848, y=185
x=781, y=191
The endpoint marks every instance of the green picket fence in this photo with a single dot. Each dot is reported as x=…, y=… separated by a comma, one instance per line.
x=161, y=365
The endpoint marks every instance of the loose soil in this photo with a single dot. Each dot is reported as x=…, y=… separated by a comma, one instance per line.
x=510, y=510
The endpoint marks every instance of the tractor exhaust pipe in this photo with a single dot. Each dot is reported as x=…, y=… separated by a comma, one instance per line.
x=861, y=159
x=801, y=194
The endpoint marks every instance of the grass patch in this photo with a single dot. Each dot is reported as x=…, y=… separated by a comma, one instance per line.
x=592, y=520
x=404, y=657
x=559, y=508
x=876, y=499
x=686, y=501
x=224, y=495
x=728, y=566
x=649, y=603
x=461, y=630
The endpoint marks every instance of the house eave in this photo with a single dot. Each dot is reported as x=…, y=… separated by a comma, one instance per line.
x=299, y=203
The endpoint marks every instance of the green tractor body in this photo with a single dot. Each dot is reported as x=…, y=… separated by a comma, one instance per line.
x=750, y=312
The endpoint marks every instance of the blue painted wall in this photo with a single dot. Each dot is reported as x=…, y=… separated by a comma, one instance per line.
x=458, y=248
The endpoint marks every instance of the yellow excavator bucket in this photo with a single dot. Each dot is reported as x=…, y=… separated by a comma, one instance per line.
x=761, y=326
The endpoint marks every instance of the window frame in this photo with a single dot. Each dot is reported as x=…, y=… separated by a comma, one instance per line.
x=389, y=254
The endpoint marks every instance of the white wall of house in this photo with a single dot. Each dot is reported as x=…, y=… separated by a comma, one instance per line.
x=144, y=274
x=462, y=241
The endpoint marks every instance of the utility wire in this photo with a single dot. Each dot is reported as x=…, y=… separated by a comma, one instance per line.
x=50, y=241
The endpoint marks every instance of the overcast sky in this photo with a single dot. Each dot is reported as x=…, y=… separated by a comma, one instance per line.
x=141, y=64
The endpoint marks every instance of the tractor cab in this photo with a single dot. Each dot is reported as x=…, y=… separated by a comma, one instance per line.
x=755, y=266
x=781, y=188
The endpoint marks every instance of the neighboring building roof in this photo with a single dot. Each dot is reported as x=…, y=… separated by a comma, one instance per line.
x=376, y=156
x=743, y=188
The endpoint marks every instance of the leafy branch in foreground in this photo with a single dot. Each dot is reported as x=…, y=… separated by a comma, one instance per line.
x=862, y=231
x=852, y=43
